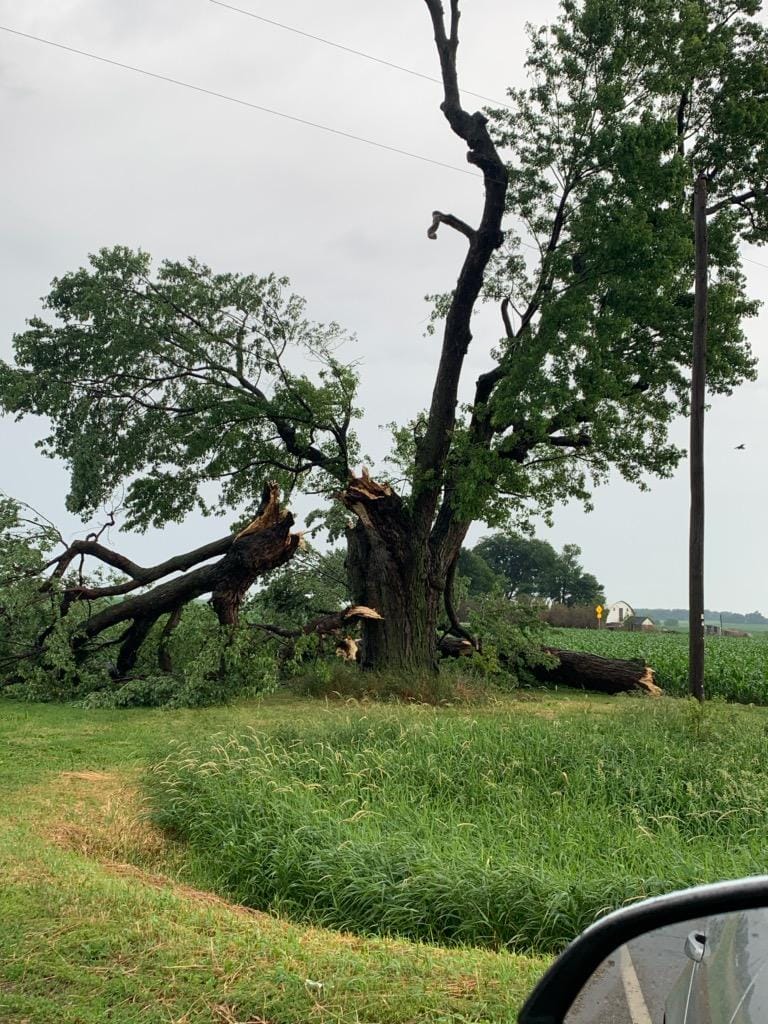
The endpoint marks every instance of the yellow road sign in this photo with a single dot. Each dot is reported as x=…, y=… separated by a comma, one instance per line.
x=599, y=611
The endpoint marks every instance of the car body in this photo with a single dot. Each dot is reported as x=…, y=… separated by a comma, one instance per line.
x=726, y=978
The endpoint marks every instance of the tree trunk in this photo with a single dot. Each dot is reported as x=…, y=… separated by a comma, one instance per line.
x=390, y=568
x=591, y=672
x=394, y=581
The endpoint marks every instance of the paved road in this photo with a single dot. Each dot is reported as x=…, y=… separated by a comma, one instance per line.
x=631, y=987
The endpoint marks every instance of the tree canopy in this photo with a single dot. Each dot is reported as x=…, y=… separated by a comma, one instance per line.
x=185, y=386
x=526, y=566
x=627, y=104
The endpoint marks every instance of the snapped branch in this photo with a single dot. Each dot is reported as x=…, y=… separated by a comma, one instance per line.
x=439, y=218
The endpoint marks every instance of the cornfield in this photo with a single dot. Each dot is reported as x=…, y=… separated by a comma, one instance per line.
x=735, y=669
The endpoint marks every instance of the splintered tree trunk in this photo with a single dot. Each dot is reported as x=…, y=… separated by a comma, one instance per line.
x=405, y=638
x=390, y=569
x=592, y=672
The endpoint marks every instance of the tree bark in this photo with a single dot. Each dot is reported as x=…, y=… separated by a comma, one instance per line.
x=163, y=654
x=390, y=568
x=591, y=672
x=399, y=555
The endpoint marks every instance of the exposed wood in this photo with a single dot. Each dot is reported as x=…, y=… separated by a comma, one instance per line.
x=455, y=647
x=390, y=568
x=399, y=554
x=322, y=625
x=591, y=672
x=348, y=649
x=263, y=545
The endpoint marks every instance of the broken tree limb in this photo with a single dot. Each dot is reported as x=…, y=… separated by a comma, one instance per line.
x=455, y=647
x=264, y=544
x=322, y=625
x=592, y=672
x=456, y=627
x=439, y=218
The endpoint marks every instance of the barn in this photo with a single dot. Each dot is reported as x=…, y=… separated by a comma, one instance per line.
x=616, y=613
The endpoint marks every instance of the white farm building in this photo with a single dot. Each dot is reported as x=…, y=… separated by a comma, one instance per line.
x=621, y=615
x=616, y=613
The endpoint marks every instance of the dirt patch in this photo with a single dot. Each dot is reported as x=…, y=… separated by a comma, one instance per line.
x=88, y=776
x=101, y=816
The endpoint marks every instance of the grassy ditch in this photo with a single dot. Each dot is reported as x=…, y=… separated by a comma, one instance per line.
x=96, y=923
x=502, y=830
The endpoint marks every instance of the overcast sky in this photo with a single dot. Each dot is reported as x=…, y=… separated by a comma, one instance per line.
x=94, y=155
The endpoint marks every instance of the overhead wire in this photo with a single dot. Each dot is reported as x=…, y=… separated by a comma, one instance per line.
x=349, y=49
x=263, y=109
x=236, y=99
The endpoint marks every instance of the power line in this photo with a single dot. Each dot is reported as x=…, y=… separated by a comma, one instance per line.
x=265, y=110
x=238, y=100
x=349, y=49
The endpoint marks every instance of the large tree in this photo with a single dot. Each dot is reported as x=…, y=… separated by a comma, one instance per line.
x=531, y=567
x=170, y=382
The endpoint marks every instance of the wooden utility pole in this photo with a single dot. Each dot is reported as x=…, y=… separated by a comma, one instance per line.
x=696, y=455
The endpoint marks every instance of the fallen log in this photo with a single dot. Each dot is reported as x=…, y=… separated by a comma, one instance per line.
x=592, y=672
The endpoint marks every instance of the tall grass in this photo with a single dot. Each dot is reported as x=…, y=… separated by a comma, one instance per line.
x=504, y=830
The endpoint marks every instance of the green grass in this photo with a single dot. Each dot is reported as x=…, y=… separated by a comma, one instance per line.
x=86, y=938
x=498, y=829
x=735, y=669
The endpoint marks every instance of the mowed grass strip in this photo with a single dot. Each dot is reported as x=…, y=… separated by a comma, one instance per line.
x=86, y=938
x=81, y=943
x=506, y=830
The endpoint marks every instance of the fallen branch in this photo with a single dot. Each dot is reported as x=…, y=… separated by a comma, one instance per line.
x=322, y=625
x=263, y=545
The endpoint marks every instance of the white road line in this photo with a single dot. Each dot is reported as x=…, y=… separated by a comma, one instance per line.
x=638, y=1008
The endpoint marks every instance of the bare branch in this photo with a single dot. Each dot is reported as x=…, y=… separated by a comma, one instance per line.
x=735, y=200
x=439, y=218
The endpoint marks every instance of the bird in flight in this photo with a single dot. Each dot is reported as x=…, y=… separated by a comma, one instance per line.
x=740, y=447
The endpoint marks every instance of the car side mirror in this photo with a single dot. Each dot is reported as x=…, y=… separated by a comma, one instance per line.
x=662, y=959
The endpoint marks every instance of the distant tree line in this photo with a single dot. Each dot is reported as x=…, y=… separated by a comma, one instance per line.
x=681, y=614
x=526, y=567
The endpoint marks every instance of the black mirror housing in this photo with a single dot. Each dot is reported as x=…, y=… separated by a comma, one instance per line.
x=558, y=989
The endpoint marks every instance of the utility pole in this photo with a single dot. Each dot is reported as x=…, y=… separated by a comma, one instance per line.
x=696, y=454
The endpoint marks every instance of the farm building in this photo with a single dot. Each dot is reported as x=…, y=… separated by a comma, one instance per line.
x=639, y=623
x=616, y=613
